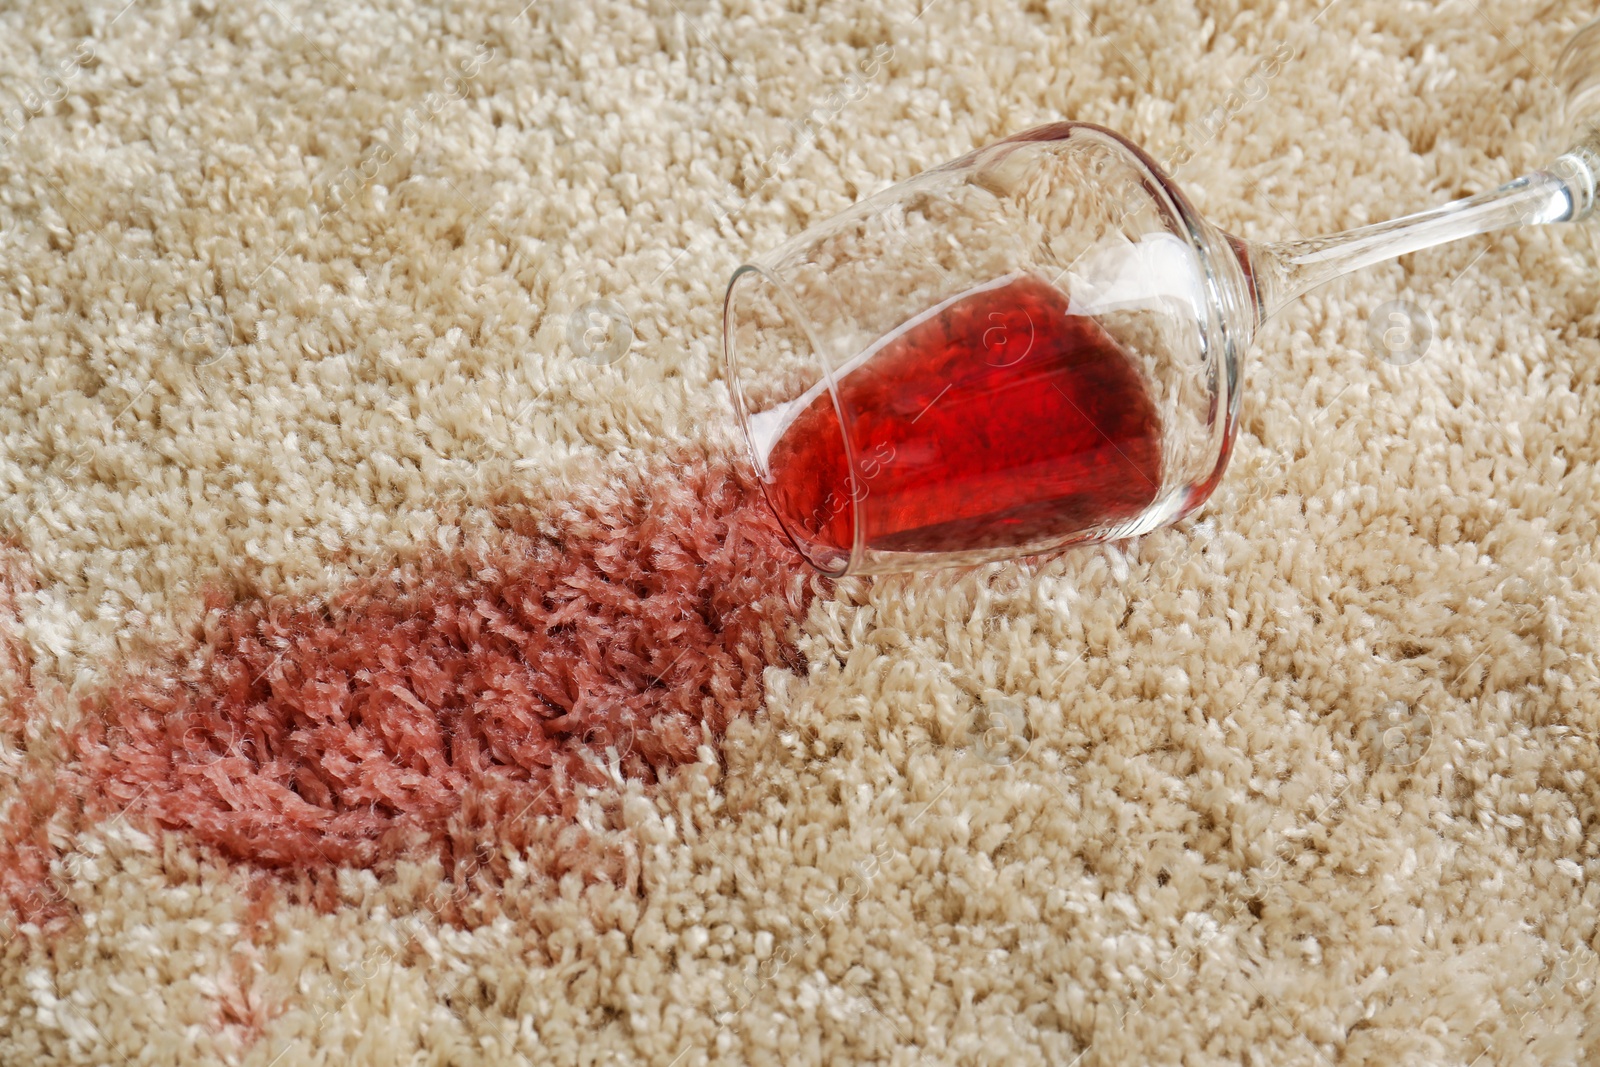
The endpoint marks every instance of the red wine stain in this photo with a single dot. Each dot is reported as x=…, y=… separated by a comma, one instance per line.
x=998, y=421
x=452, y=708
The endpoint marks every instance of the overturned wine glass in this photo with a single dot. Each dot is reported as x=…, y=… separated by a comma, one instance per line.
x=1039, y=344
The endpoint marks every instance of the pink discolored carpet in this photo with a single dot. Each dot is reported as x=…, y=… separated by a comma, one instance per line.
x=449, y=709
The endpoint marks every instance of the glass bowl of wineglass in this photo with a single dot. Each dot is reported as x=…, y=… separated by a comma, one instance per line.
x=1041, y=343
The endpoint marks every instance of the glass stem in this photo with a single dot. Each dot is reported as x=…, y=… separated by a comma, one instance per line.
x=1563, y=192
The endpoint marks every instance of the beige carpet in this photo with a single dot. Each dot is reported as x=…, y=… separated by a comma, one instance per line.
x=303, y=379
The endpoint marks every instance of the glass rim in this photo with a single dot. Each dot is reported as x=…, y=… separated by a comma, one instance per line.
x=772, y=275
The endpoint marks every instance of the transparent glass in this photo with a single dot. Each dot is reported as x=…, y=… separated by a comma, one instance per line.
x=1082, y=379
x=1040, y=344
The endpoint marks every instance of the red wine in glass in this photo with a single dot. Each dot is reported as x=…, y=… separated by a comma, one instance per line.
x=995, y=419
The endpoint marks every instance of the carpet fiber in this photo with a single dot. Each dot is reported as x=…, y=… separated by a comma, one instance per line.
x=398, y=667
